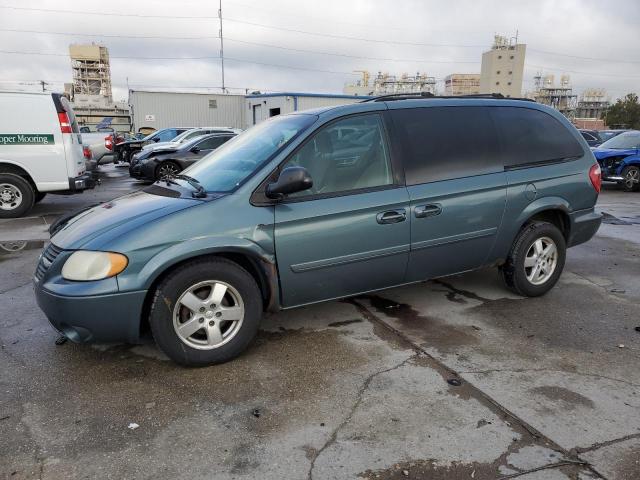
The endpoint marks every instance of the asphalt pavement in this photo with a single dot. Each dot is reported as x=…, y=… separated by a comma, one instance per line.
x=454, y=378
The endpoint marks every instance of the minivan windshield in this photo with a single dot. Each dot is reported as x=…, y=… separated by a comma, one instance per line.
x=228, y=166
x=623, y=141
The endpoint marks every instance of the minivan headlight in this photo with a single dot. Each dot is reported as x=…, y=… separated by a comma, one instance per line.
x=85, y=265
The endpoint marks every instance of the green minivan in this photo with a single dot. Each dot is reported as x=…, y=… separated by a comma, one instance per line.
x=319, y=205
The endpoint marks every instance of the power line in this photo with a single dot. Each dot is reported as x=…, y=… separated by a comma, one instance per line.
x=343, y=37
x=102, y=14
x=239, y=60
x=107, y=35
x=344, y=54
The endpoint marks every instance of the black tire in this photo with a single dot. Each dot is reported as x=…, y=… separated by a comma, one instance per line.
x=17, y=197
x=514, y=272
x=164, y=165
x=181, y=280
x=631, y=176
x=39, y=197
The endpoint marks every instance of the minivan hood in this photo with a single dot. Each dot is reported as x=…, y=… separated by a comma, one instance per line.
x=117, y=217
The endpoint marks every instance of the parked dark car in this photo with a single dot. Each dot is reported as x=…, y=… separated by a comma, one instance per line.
x=619, y=159
x=291, y=212
x=592, y=137
x=122, y=152
x=609, y=134
x=152, y=165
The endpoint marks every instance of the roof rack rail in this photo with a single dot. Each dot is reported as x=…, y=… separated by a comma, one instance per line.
x=399, y=96
x=424, y=95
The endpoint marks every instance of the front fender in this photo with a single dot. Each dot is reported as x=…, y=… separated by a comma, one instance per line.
x=191, y=248
x=196, y=247
x=627, y=162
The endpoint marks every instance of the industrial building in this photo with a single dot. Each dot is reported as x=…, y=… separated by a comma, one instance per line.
x=265, y=105
x=385, y=84
x=592, y=103
x=462, y=84
x=503, y=67
x=560, y=97
x=91, y=72
x=90, y=92
x=159, y=109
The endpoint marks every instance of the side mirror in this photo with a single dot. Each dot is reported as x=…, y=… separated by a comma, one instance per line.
x=291, y=180
x=195, y=149
x=156, y=139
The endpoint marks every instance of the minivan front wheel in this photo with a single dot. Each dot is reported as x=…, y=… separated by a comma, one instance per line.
x=536, y=259
x=206, y=312
x=16, y=196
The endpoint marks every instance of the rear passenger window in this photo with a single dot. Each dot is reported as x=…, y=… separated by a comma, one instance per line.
x=442, y=143
x=531, y=136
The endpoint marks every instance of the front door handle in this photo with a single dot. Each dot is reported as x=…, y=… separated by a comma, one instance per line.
x=422, y=211
x=392, y=216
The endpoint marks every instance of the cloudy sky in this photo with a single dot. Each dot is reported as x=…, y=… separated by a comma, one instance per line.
x=315, y=46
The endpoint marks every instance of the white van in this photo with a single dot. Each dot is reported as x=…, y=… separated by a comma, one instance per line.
x=40, y=150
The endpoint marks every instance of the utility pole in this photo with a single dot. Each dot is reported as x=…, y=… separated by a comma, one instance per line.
x=221, y=44
x=43, y=83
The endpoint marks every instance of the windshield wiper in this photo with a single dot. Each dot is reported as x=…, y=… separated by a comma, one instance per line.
x=200, y=191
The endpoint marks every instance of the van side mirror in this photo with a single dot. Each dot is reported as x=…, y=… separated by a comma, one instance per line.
x=291, y=180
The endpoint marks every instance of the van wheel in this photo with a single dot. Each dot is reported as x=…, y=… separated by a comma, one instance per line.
x=206, y=312
x=536, y=260
x=39, y=197
x=167, y=170
x=16, y=196
x=631, y=179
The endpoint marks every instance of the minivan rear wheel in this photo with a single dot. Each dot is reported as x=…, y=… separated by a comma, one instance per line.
x=205, y=312
x=16, y=196
x=536, y=260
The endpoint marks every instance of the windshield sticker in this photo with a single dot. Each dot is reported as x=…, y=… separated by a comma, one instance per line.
x=26, y=139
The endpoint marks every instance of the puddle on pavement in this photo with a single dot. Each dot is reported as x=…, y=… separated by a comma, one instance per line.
x=559, y=395
x=613, y=220
x=431, y=331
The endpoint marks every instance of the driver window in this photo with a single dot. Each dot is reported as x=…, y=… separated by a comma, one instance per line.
x=348, y=154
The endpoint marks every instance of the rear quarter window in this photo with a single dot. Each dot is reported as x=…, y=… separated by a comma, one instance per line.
x=442, y=143
x=530, y=137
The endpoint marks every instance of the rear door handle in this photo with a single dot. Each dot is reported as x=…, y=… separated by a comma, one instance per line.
x=392, y=216
x=422, y=211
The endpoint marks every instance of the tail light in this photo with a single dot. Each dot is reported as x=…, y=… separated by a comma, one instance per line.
x=108, y=142
x=86, y=151
x=65, y=124
x=595, y=175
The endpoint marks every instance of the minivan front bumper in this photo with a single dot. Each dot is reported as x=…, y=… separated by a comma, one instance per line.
x=94, y=311
x=94, y=318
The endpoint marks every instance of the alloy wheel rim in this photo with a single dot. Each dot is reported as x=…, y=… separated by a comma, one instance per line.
x=208, y=315
x=10, y=196
x=167, y=171
x=632, y=177
x=541, y=260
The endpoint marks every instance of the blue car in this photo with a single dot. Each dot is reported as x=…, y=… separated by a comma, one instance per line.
x=619, y=159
